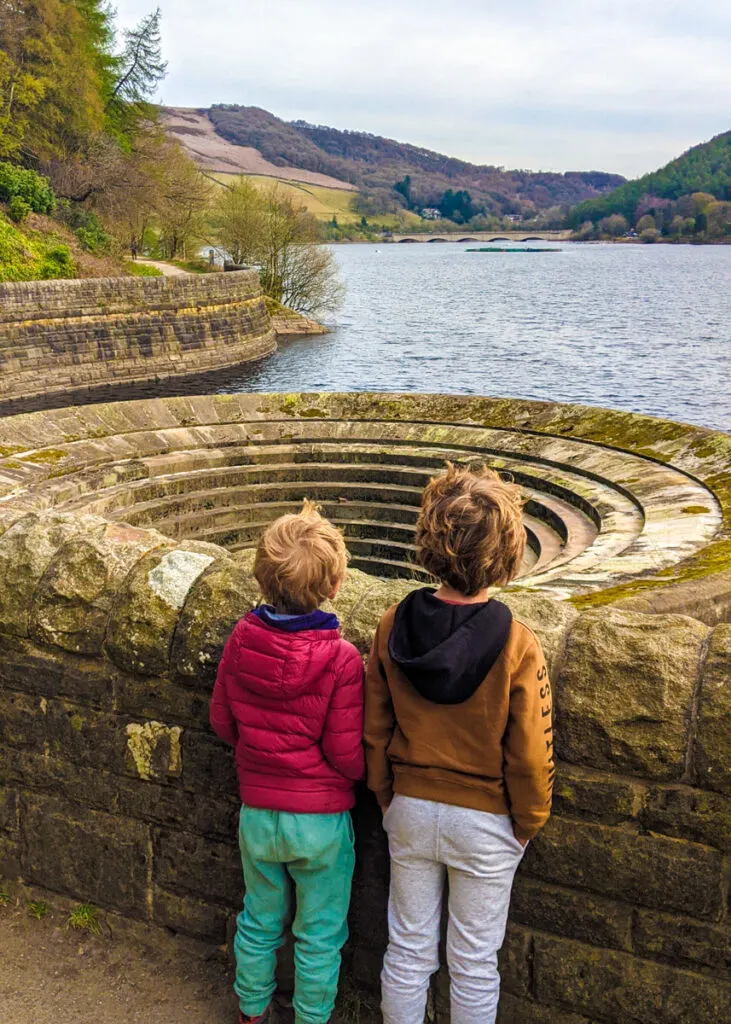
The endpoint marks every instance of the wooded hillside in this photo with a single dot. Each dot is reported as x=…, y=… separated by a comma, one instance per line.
x=705, y=168
x=377, y=164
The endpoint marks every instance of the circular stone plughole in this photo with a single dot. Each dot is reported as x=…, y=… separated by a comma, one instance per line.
x=610, y=497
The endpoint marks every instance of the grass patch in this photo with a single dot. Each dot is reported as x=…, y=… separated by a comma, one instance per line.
x=141, y=269
x=201, y=266
x=324, y=203
x=5, y=897
x=85, y=917
x=38, y=909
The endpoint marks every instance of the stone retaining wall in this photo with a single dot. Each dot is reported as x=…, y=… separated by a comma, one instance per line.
x=59, y=336
x=113, y=789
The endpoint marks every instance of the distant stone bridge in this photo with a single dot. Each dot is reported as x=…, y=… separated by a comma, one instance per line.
x=485, y=236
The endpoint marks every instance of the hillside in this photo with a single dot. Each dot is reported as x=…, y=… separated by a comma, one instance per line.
x=704, y=168
x=374, y=165
x=212, y=152
x=43, y=248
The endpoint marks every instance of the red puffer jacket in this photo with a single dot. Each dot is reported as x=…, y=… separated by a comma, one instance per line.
x=292, y=706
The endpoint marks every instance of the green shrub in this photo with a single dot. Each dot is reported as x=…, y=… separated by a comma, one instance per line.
x=92, y=236
x=18, y=209
x=26, y=184
x=57, y=262
x=29, y=256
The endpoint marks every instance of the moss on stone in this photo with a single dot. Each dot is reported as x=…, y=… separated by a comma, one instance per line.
x=46, y=456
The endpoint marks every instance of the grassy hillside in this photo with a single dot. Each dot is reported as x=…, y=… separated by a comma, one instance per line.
x=29, y=255
x=323, y=203
x=704, y=168
x=41, y=248
x=376, y=164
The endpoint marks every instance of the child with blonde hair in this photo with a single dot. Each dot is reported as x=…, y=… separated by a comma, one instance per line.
x=459, y=747
x=289, y=698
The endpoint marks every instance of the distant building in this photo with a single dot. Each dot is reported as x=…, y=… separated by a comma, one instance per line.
x=514, y=217
x=431, y=213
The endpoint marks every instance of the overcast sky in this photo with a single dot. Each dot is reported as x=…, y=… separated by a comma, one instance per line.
x=614, y=85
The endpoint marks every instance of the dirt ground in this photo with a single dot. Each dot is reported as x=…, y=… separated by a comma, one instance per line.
x=130, y=974
x=52, y=975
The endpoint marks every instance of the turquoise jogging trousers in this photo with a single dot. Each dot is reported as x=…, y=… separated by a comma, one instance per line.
x=315, y=852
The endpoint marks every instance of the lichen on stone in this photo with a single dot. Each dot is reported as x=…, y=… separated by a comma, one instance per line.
x=174, y=575
x=154, y=749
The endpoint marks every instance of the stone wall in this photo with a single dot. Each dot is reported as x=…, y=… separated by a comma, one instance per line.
x=61, y=336
x=113, y=789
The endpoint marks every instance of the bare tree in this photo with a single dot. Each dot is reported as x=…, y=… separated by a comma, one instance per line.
x=265, y=228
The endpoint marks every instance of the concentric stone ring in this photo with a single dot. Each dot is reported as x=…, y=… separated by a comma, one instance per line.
x=613, y=500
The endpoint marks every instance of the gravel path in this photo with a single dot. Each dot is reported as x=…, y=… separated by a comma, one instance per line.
x=166, y=268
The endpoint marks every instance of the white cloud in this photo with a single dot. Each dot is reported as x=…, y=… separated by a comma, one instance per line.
x=620, y=85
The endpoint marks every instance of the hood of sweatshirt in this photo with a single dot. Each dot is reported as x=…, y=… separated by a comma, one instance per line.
x=275, y=662
x=446, y=650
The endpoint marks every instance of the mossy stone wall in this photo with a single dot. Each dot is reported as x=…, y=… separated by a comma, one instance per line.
x=114, y=791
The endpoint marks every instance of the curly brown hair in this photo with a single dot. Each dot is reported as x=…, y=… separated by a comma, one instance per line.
x=470, y=532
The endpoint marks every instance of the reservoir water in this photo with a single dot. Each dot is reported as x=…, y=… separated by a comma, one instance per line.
x=645, y=328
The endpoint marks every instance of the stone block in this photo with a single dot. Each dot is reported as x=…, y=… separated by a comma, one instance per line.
x=142, y=624
x=26, y=550
x=689, y=813
x=682, y=942
x=652, y=871
x=208, y=764
x=617, y=987
x=95, y=857
x=10, y=852
x=625, y=691
x=173, y=807
x=190, y=916
x=573, y=914
x=53, y=673
x=220, y=599
x=713, y=738
x=514, y=960
x=22, y=721
x=9, y=810
x=549, y=619
x=156, y=697
x=84, y=736
x=513, y=1010
x=78, y=590
x=209, y=870
x=581, y=792
x=91, y=787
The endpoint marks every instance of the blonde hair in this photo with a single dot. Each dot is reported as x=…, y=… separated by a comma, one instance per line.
x=470, y=532
x=300, y=560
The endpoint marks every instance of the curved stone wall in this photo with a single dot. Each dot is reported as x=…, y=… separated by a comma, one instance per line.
x=62, y=336
x=114, y=606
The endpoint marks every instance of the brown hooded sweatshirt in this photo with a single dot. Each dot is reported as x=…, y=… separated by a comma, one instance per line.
x=458, y=709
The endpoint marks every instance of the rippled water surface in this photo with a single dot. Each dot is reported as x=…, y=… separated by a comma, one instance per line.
x=638, y=327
